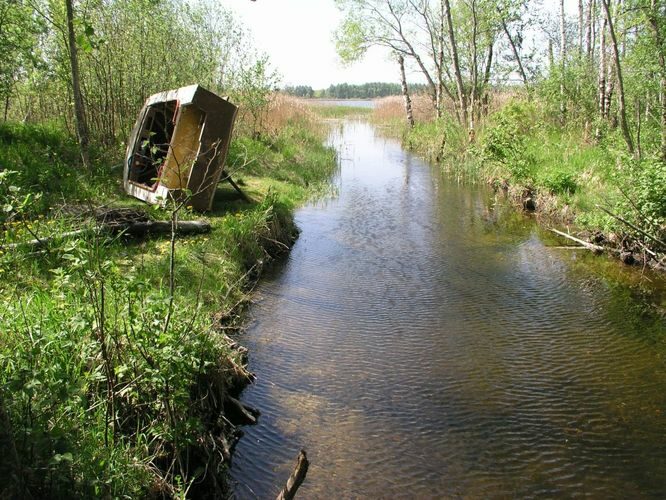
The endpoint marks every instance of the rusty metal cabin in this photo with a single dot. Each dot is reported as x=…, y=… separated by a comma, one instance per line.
x=178, y=145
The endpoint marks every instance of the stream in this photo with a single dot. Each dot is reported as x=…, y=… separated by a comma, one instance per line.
x=423, y=339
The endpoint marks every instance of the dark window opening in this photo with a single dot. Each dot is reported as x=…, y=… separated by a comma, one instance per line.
x=153, y=143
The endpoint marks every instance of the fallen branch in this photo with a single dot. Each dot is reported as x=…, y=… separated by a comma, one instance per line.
x=142, y=228
x=632, y=226
x=164, y=227
x=590, y=246
x=296, y=479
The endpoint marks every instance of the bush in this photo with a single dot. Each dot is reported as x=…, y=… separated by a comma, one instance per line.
x=504, y=141
x=559, y=182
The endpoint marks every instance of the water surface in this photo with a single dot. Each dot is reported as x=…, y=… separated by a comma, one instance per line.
x=423, y=340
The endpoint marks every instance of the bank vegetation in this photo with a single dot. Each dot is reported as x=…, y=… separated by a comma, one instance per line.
x=118, y=370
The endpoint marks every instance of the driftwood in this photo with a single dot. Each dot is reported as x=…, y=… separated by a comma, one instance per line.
x=141, y=228
x=586, y=244
x=296, y=479
x=240, y=413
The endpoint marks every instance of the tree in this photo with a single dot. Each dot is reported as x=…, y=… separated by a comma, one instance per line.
x=405, y=91
x=79, y=109
x=620, y=83
x=18, y=33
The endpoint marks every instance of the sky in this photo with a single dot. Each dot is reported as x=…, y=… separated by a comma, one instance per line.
x=298, y=37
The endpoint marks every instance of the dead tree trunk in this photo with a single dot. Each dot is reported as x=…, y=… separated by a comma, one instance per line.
x=405, y=91
x=296, y=479
x=79, y=111
x=620, y=85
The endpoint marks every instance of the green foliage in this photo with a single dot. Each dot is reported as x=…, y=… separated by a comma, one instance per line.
x=439, y=139
x=646, y=195
x=108, y=387
x=559, y=182
x=504, y=140
x=293, y=155
x=299, y=90
x=45, y=160
x=351, y=39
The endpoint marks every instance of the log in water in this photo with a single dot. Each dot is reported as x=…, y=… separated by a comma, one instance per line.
x=422, y=339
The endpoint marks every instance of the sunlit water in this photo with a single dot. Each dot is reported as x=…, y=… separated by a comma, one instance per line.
x=422, y=340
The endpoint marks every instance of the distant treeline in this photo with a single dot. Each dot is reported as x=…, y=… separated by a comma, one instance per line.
x=351, y=91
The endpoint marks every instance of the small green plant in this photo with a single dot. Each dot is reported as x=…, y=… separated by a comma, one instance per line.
x=559, y=182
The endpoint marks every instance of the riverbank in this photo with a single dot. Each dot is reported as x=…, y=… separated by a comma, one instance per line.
x=116, y=366
x=563, y=175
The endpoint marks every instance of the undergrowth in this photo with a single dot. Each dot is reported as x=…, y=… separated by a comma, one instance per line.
x=113, y=383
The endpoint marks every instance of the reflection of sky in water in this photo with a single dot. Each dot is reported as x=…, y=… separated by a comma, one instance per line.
x=416, y=343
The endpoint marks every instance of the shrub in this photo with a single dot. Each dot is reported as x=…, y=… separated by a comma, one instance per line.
x=504, y=140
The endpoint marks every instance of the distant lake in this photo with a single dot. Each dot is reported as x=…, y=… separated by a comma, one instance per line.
x=354, y=103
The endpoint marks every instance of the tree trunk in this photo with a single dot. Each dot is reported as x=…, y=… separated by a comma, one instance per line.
x=405, y=91
x=620, y=85
x=440, y=64
x=563, y=57
x=654, y=18
x=475, y=73
x=608, y=92
x=588, y=30
x=662, y=98
x=602, y=70
x=462, y=98
x=486, y=79
x=79, y=111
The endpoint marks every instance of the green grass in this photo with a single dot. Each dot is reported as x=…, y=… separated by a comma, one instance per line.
x=97, y=396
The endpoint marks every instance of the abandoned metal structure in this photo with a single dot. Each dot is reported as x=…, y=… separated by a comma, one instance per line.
x=178, y=147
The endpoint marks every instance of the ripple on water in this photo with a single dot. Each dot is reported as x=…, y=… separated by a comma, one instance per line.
x=417, y=348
